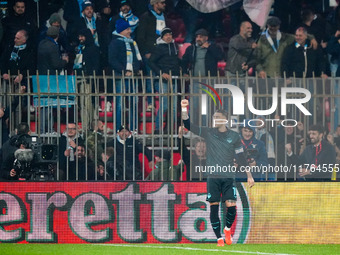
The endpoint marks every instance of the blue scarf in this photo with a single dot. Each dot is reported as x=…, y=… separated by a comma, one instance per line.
x=270, y=40
x=160, y=20
x=132, y=19
x=92, y=25
x=15, y=52
x=129, y=53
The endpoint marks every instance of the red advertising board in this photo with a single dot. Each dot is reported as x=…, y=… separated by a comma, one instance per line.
x=111, y=212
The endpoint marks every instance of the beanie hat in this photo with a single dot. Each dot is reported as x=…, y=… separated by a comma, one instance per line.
x=53, y=32
x=273, y=21
x=165, y=30
x=124, y=2
x=152, y=2
x=202, y=31
x=54, y=18
x=121, y=25
x=86, y=4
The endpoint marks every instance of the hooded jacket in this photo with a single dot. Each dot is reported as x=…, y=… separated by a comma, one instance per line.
x=90, y=53
x=255, y=147
x=164, y=58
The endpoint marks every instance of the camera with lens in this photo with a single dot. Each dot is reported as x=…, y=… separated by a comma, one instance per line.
x=34, y=160
x=251, y=154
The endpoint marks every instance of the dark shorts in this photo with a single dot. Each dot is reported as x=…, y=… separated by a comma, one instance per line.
x=217, y=187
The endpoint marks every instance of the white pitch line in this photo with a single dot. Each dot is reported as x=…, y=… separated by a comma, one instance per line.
x=193, y=249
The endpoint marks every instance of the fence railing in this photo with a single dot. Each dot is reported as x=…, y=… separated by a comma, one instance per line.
x=150, y=108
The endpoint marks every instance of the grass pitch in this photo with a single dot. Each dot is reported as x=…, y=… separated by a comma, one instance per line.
x=164, y=249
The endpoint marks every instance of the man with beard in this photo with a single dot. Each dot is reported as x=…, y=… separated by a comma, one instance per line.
x=82, y=168
x=240, y=47
x=200, y=59
x=318, y=159
x=17, y=21
x=125, y=13
x=87, y=54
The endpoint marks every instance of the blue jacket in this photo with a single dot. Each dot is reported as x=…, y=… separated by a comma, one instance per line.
x=117, y=56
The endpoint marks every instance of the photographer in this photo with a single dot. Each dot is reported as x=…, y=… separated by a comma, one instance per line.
x=255, y=150
x=10, y=146
x=18, y=164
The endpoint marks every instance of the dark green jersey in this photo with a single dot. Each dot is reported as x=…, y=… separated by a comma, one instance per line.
x=221, y=149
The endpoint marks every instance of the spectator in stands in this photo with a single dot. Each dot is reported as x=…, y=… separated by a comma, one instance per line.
x=163, y=170
x=96, y=140
x=108, y=158
x=240, y=47
x=292, y=137
x=333, y=48
x=124, y=59
x=301, y=60
x=127, y=150
x=17, y=59
x=49, y=56
x=270, y=49
x=89, y=20
x=164, y=61
x=62, y=41
x=196, y=159
x=316, y=25
x=82, y=168
x=101, y=172
x=201, y=57
x=87, y=54
x=16, y=21
x=262, y=134
x=150, y=26
x=125, y=12
x=68, y=143
x=254, y=149
x=104, y=10
x=331, y=140
x=318, y=157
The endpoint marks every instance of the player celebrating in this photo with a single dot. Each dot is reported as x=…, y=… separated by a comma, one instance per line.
x=222, y=144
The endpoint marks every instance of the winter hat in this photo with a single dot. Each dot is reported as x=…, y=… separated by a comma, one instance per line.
x=166, y=154
x=53, y=32
x=202, y=31
x=152, y=2
x=165, y=30
x=54, y=18
x=124, y=2
x=86, y=4
x=273, y=21
x=121, y=25
x=122, y=128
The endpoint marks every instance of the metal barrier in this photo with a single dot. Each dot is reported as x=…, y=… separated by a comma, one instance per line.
x=51, y=102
